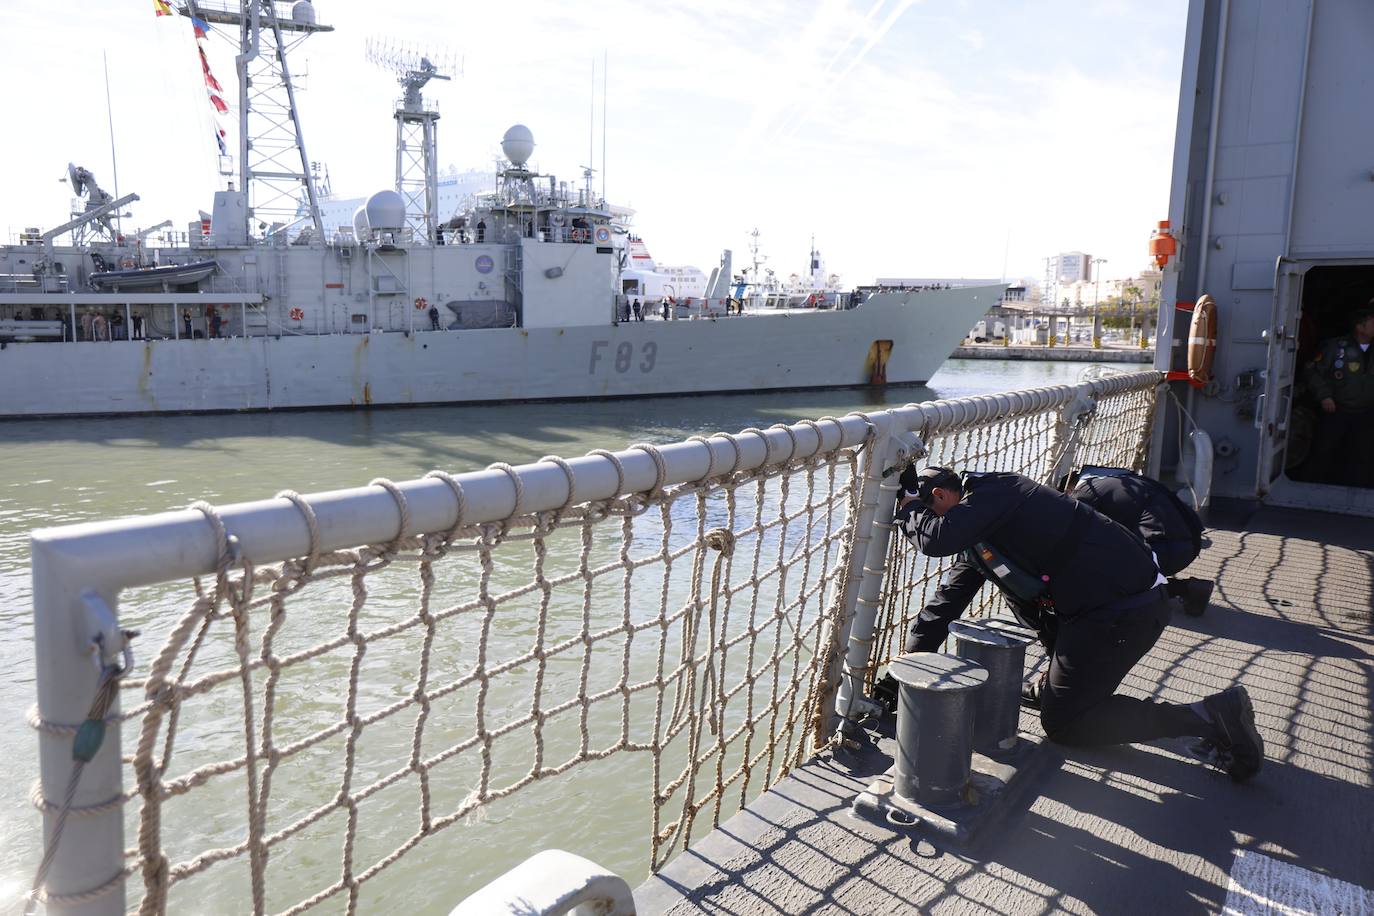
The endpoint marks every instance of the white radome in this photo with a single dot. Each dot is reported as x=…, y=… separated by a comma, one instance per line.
x=518, y=144
x=385, y=211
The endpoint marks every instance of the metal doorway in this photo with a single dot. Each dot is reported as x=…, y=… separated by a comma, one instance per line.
x=1312, y=299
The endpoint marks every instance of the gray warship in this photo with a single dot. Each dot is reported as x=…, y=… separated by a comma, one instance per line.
x=525, y=294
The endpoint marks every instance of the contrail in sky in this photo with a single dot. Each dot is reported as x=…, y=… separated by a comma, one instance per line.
x=902, y=6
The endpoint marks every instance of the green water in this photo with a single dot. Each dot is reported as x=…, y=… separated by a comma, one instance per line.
x=59, y=472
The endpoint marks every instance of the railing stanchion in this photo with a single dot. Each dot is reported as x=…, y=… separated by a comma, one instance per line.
x=91, y=850
x=868, y=563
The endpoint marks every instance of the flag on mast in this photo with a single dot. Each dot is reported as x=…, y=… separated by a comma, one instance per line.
x=205, y=68
x=219, y=104
x=201, y=27
x=162, y=8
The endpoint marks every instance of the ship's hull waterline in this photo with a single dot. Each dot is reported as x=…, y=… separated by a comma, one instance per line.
x=804, y=349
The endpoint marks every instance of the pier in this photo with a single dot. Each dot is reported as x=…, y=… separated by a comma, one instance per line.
x=1136, y=829
x=1074, y=354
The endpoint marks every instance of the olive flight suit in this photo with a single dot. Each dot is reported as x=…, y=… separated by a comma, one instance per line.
x=1343, y=449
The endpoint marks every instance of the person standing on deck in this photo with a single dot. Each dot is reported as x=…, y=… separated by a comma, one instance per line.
x=434, y=317
x=1091, y=590
x=639, y=310
x=1342, y=381
x=186, y=322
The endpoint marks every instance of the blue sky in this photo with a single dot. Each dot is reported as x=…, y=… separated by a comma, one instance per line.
x=912, y=138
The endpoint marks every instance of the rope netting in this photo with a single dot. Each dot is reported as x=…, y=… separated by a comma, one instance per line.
x=304, y=725
x=1113, y=432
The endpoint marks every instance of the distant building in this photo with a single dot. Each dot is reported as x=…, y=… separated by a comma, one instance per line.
x=1073, y=267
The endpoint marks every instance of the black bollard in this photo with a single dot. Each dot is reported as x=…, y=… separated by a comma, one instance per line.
x=1002, y=652
x=935, y=726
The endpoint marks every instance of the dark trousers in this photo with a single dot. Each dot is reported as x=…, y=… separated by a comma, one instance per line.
x=1174, y=556
x=1343, y=449
x=1092, y=654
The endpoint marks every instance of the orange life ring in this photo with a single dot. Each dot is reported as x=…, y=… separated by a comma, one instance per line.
x=297, y=313
x=421, y=303
x=1202, y=340
x=580, y=235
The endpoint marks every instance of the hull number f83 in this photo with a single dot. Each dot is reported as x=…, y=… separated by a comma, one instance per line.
x=623, y=357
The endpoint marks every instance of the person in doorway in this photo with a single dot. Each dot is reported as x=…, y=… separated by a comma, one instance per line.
x=186, y=322
x=639, y=310
x=1090, y=589
x=216, y=322
x=1342, y=381
x=136, y=332
x=1170, y=527
x=481, y=231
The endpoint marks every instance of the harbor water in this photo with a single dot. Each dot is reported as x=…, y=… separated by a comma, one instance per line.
x=60, y=472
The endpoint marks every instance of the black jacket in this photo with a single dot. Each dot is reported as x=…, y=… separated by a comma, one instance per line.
x=1090, y=560
x=1142, y=504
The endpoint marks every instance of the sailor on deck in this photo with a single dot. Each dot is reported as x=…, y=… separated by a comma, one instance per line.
x=1342, y=381
x=1089, y=587
x=1171, y=528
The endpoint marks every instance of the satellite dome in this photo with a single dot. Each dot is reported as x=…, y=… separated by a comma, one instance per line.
x=518, y=144
x=360, y=227
x=385, y=211
x=303, y=11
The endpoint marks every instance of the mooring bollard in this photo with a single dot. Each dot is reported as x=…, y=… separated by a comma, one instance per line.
x=935, y=722
x=1002, y=651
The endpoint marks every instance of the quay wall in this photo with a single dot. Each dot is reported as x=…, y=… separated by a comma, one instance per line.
x=1061, y=354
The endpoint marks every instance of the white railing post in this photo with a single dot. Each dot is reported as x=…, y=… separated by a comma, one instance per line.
x=91, y=850
x=1068, y=431
x=890, y=448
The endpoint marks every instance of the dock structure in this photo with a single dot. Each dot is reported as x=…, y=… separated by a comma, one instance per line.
x=1136, y=829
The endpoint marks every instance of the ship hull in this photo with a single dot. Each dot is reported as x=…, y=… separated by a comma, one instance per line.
x=811, y=349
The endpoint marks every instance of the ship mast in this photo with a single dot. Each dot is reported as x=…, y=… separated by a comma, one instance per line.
x=417, y=157
x=274, y=170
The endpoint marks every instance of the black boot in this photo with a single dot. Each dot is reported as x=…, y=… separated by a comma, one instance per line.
x=1238, y=741
x=1033, y=691
x=1197, y=594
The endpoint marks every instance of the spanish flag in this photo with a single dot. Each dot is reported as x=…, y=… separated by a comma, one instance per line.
x=162, y=8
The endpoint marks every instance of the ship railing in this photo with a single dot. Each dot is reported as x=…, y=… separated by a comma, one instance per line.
x=629, y=643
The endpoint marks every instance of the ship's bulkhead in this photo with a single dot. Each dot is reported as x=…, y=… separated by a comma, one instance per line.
x=1273, y=204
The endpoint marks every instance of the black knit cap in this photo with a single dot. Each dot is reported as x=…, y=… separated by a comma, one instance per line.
x=922, y=482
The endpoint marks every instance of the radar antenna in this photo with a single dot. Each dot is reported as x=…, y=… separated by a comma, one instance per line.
x=417, y=163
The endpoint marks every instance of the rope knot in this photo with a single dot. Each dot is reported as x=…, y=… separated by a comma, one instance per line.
x=722, y=539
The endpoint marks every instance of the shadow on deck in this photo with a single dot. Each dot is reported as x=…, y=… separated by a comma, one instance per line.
x=1136, y=829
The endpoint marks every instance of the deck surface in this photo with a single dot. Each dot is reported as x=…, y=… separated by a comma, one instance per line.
x=1134, y=829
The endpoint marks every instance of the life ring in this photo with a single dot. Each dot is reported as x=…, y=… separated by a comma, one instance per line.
x=579, y=235
x=421, y=304
x=603, y=235
x=297, y=314
x=1202, y=340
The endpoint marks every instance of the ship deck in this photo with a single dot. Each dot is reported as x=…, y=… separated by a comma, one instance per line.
x=1139, y=829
